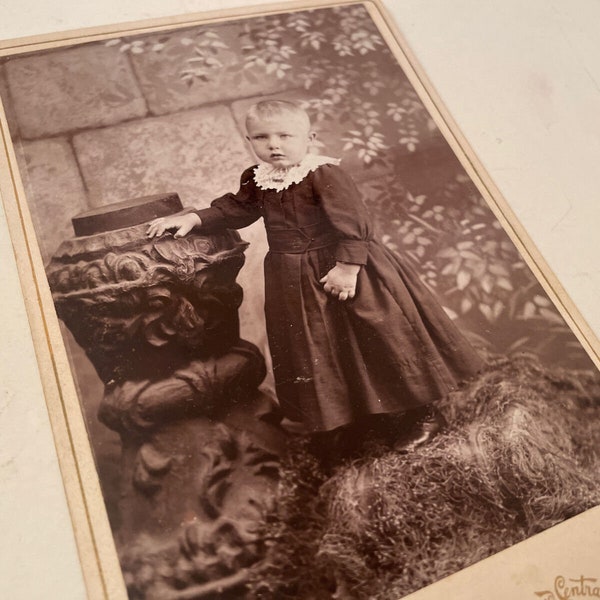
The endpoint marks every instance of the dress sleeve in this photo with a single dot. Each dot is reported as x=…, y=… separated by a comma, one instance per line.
x=233, y=211
x=343, y=206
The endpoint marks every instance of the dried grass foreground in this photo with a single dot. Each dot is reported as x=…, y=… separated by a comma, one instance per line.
x=520, y=454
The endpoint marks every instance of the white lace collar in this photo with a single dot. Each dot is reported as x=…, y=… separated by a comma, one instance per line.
x=268, y=177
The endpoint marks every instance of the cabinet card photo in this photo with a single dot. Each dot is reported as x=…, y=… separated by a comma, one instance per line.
x=293, y=342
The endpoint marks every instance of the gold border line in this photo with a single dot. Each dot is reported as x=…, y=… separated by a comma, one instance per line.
x=53, y=362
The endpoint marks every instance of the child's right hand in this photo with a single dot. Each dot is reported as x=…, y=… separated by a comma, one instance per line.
x=340, y=281
x=182, y=224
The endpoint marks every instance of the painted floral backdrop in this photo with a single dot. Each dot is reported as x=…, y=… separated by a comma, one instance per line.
x=341, y=70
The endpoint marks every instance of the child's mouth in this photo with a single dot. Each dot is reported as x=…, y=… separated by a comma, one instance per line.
x=276, y=156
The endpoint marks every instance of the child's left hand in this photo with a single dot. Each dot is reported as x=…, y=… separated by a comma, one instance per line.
x=341, y=281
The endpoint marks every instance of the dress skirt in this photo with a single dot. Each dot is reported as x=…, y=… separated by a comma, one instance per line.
x=390, y=349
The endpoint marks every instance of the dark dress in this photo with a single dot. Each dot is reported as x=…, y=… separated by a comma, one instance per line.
x=390, y=349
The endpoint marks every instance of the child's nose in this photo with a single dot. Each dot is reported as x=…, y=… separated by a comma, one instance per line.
x=274, y=142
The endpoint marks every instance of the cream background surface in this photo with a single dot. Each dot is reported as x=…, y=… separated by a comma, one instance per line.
x=522, y=80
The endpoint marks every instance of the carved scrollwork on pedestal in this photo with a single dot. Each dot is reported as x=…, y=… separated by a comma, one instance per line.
x=158, y=318
x=220, y=540
x=144, y=298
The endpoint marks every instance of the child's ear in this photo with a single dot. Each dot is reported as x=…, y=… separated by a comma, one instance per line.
x=312, y=136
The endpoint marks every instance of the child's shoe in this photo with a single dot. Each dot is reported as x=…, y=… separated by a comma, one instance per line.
x=423, y=430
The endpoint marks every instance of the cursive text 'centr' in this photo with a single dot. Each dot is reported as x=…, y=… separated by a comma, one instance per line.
x=568, y=589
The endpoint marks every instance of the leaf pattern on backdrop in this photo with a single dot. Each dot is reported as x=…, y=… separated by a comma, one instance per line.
x=339, y=68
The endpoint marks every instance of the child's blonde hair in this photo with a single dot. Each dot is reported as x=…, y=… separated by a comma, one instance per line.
x=267, y=109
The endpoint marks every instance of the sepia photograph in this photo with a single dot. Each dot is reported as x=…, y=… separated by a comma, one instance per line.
x=311, y=356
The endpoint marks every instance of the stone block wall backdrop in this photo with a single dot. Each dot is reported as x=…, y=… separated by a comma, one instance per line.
x=103, y=122
x=83, y=88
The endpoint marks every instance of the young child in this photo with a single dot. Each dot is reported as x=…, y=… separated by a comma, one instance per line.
x=352, y=330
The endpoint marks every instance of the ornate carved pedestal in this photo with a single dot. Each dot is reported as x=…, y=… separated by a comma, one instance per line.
x=158, y=319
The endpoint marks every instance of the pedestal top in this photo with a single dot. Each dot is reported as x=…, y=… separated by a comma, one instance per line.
x=126, y=214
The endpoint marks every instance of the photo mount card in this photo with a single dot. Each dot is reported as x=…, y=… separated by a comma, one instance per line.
x=181, y=470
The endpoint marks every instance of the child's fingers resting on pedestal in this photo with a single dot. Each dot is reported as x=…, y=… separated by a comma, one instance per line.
x=156, y=227
x=183, y=224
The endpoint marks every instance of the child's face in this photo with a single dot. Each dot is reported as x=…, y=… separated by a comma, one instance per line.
x=280, y=140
